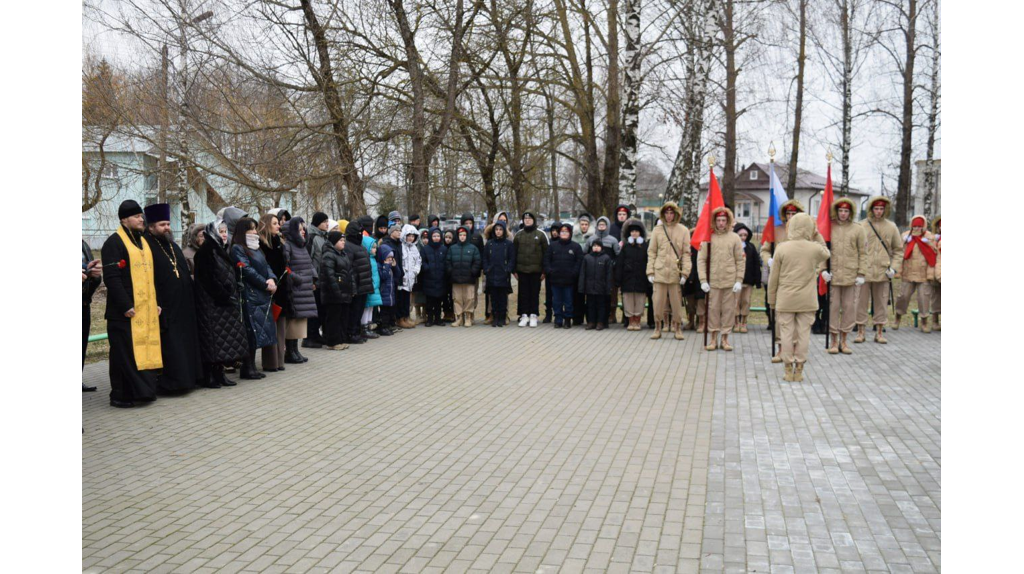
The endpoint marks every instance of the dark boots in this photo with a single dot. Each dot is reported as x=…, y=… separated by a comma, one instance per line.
x=249, y=370
x=368, y=333
x=291, y=352
x=218, y=376
x=208, y=381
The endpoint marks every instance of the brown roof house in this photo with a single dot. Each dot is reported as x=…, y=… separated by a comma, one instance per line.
x=752, y=198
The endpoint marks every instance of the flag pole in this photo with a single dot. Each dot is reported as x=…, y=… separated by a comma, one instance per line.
x=828, y=262
x=771, y=311
x=707, y=267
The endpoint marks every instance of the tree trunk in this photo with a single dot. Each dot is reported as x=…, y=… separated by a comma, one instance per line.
x=933, y=116
x=631, y=111
x=684, y=181
x=798, y=112
x=613, y=121
x=731, y=115
x=846, y=144
x=324, y=77
x=552, y=149
x=903, y=183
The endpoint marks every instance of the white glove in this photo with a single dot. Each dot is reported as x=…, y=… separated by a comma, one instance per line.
x=924, y=240
x=826, y=276
x=682, y=280
x=938, y=236
x=650, y=279
x=770, y=260
x=858, y=281
x=737, y=287
x=906, y=239
x=705, y=287
x=890, y=273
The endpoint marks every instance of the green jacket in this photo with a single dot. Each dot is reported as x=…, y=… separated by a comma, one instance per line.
x=530, y=248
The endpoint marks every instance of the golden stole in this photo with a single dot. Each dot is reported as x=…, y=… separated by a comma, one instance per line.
x=146, y=322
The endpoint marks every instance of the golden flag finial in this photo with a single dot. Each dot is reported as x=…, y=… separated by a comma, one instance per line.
x=771, y=151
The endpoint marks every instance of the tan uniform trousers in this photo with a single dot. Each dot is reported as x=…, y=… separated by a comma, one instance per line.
x=633, y=304
x=924, y=298
x=743, y=301
x=668, y=293
x=936, y=304
x=842, y=315
x=723, y=311
x=880, y=291
x=795, y=334
x=464, y=296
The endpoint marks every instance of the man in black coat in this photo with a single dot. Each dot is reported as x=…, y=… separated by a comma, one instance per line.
x=132, y=326
x=92, y=272
x=178, y=334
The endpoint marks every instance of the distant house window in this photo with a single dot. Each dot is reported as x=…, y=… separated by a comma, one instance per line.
x=110, y=170
x=743, y=209
x=753, y=174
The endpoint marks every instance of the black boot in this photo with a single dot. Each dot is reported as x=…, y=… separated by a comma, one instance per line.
x=300, y=355
x=311, y=344
x=218, y=375
x=568, y=323
x=291, y=351
x=248, y=370
x=207, y=381
x=368, y=333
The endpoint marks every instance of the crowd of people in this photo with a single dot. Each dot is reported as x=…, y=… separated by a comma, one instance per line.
x=183, y=317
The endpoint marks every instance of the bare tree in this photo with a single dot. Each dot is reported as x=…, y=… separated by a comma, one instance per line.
x=933, y=111
x=798, y=110
x=631, y=110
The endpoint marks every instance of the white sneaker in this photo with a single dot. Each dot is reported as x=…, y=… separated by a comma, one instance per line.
x=523, y=320
x=533, y=320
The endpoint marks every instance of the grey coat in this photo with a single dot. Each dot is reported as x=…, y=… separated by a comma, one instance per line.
x=302, y=303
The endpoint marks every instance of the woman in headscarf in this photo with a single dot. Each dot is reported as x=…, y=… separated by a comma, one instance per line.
x=193, y=240
x=221, y=329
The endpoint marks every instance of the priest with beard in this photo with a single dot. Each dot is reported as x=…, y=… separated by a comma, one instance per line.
x=133, y=317
x=180, y=340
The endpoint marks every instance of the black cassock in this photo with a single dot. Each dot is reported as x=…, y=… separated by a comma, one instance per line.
x=179, y=340
x=127, y=382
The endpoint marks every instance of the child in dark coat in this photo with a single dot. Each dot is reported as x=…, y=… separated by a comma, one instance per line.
x=631, y=272
x=596, y=283
x=562, y=267
x=336, y=290
x=387, y=263
x=499, y=264
x=751, y=276
x=548, y=305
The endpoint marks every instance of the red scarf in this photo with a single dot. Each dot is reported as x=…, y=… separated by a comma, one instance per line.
x=926, y=250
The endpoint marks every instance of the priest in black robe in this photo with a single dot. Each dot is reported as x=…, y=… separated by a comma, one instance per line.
x=132, y=312
x=179, y=337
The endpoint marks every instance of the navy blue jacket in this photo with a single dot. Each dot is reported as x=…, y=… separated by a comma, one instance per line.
x=254, y=272
x=499, y=262
x=432, y=271
x=562, y=263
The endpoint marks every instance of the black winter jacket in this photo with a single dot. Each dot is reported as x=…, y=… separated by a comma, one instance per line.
x=499, y=262
x=752, y=272
x=562, y=263
x=219, y=318
x=336, y=284
x=432, y=272
x=463, y=263
x=361, y=272
x=596, y=274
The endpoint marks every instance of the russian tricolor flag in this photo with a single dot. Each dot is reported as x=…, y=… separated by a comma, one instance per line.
x=778, y=197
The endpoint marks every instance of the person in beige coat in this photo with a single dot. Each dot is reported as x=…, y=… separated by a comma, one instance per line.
x=846, y=275
x=668, y=266
x=882, y=250
x=726, y=280
x=919, y=260
x=787, y=210
x=793, y=291
x=936, y=284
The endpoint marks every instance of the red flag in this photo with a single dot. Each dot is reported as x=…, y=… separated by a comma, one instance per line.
x=702, y=231
x=825, y=210
x=825, y=221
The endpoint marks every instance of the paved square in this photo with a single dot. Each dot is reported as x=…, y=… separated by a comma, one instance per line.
x=528, y=450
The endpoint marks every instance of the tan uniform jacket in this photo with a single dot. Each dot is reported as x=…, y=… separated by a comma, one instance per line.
x=792, y=285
